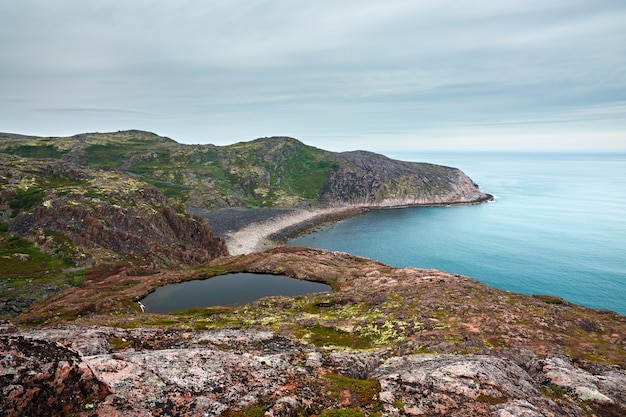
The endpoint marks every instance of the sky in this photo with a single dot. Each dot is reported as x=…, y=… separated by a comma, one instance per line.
x=394, y=75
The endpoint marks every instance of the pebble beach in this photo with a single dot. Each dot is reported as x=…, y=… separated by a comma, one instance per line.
x=254, y=230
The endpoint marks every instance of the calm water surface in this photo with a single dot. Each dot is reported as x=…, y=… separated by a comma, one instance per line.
x=557, y=226
x=226, y=290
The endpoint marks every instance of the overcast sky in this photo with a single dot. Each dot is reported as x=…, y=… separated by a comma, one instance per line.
x=341, y=75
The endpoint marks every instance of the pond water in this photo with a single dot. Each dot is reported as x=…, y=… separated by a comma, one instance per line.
x=226, y=290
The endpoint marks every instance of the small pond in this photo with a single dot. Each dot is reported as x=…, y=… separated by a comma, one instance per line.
x=226, y=290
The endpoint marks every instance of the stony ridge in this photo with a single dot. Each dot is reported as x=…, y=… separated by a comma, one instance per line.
x=388, y=341
x=267, y=172
x=231, y=372
x=107, y=215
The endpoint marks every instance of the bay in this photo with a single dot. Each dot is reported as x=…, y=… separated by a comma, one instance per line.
x=557, y=227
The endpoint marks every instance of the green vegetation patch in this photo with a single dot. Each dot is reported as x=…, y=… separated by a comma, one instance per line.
x=170, y=190
x=490, y=399
x=148, y=163
x=552, y=390
x=22, y=258
x=119, y=343
x=60, y=181
x=252, y=411
x=359, y=392
x=63, y=246
x=110, y=155
x=26, y=199
x=550, y=299
x=27, y=274
x=321, y=336
x=306, y=173
x=35, y=151
x=342, y=412
x=202, y=311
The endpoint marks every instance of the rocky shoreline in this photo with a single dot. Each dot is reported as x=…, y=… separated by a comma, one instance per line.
x=254, y=230
x=260, y=236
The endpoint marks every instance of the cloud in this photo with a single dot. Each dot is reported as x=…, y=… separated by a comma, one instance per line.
x=227, y=69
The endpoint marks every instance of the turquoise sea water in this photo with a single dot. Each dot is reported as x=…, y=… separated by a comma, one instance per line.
x=557, y=226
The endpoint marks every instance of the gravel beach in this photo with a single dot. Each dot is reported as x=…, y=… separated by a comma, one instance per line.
x=253, y=230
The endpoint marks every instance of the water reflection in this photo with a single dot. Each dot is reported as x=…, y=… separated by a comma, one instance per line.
x=226, y=290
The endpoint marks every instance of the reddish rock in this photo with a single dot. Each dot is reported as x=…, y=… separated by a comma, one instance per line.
x=213, y=373
x=42, y=378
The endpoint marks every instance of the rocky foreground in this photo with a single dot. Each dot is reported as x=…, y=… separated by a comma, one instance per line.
x=386, y=341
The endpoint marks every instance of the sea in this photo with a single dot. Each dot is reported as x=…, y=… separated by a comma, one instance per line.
x=557, y=227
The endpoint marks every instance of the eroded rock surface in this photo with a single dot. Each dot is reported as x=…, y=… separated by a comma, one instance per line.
x=429, y=384
x=39, y=378
x=106, y=215
x=387, y=341
x=98, y=372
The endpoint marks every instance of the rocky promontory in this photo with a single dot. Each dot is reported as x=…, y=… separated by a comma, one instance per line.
x=266, y=172
x=387, y=341
x=72, y=206
x=91, y=224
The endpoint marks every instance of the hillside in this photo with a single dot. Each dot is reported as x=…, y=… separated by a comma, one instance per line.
x=267, y=172
x=58, y=218
x=386, y=342
x=123, y=199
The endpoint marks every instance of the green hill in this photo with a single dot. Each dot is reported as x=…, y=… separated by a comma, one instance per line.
x=267, y=172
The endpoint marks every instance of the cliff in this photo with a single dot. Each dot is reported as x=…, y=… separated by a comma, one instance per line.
x=387, y=341
x=108, y=216
x=377, y=181
x=267, y=172
x=59, y=218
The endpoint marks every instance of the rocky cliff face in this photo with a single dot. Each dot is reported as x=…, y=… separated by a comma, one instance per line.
x=375, y=180
x=108, y=216
x=267, y=172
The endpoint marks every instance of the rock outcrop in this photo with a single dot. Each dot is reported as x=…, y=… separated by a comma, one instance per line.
x=108, y=216
x=112, y=372
x=374, y=180
x=41, y=378
x=387, y=341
